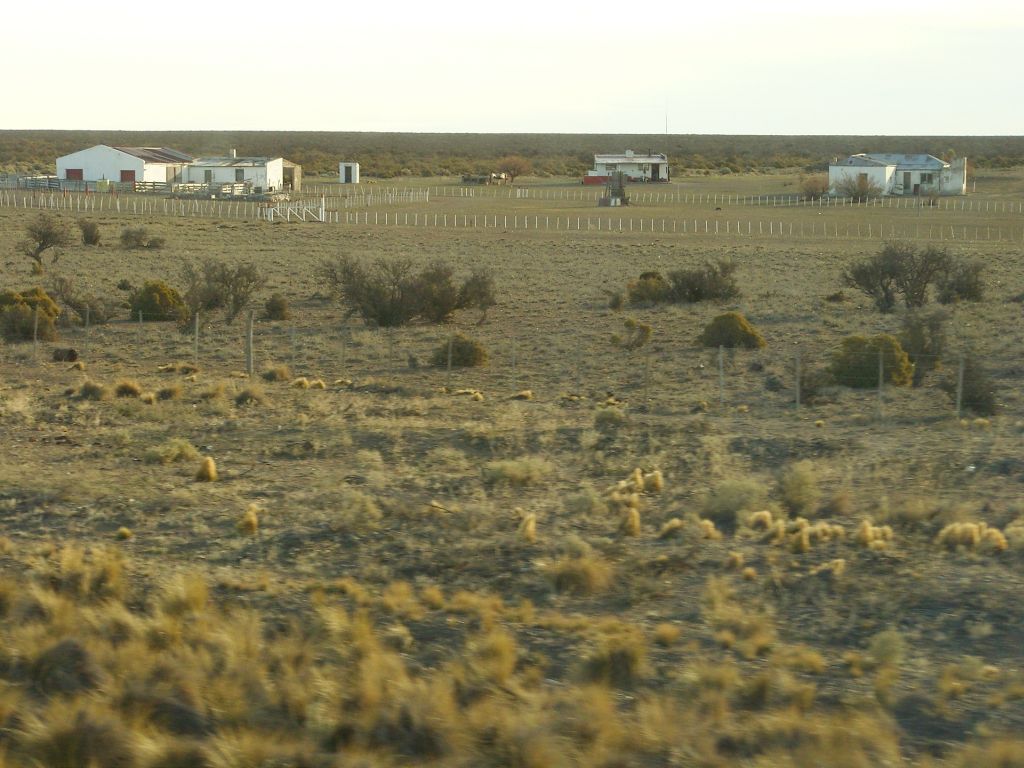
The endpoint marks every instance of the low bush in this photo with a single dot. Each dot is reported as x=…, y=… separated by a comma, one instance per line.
x=712, y=281
x=87, y=307
x=390, y=293
x=157, y=301
x=961, y=282
x=899, y=270
x=139, y=237
x=798, y=488
x=463, y=352
x=276, y=308
x=650, y=288
x=90, y=231
x=979, y=391
x=856, y=362
x=28, y=315
x=730, y=498
x=731, y=330
x=924, y=339
x=212, y=285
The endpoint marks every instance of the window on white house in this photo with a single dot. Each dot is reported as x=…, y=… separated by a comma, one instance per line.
x=239, y=174
x=927, y=178
x=610, y=166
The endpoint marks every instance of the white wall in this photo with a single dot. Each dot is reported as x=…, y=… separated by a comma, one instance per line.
x=102, y=162
x=882, y=175
x=268, y=177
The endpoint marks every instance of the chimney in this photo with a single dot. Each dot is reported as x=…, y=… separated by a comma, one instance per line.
x=234, y=153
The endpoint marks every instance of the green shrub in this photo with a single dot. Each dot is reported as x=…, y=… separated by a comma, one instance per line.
x=798, y=488
x=855, y=363
x=712, y=281
x=276, y=308
x=961, y=282
x=157, y=301
x=979, y=391
x=731, y=330
x=465, y=353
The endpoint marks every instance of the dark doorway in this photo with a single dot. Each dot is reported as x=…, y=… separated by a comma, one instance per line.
x=348, y=174
x=656, y=172
x=127, y=177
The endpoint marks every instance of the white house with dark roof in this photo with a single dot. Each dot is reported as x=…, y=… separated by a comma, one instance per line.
x=263, y=174
x=899, y=174
x=122, y=164
x=636, y=167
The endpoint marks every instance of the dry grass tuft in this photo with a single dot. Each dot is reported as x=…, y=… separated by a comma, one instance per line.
x=172, y=392
x=127, y=388
x=524, y=394
x=249, y=523
x=92, y=390
x=524, y=471
x=798, y=488
x=976, y=536
x=124, y=534
x=666, y=634
x=78, y=365
x=528, y=527
x=672, y=529
x=251, y=395
x=175, y=449
x=277, y=373
x=300, y=383
x=630, y=525
x=873, y=536
x=618, y=656
x=760, y=521
x=317, y=384
x=149, y=398
x=708, y=531
x=584, y=574
x=207, y=472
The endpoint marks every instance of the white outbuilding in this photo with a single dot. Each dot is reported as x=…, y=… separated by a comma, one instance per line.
x=348, y=173
x=262, y=174
x=891, y=173
x=125, y=165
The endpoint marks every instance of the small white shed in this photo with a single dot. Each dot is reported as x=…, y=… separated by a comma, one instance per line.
x=264, y=174
x=126, y=165
x=348, y=173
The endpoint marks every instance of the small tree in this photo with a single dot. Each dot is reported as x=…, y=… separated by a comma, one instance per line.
x=515, y=166
x=961, y=282
x=44, y=233
x=814, y=187
x=860, y=187
x=899, y=269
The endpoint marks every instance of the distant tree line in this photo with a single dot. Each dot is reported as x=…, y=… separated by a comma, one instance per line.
x=391, y=155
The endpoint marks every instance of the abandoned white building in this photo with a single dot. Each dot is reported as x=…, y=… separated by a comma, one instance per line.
x=126, y=165
x=635, y=167
x=898, y=174
x=261, y=174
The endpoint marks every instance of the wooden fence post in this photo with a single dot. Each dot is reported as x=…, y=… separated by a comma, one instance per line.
x=249, y=361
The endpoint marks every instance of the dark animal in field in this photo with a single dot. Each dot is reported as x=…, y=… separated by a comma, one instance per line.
x=65, y=355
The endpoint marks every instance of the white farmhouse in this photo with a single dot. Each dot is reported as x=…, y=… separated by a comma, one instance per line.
x=642, y=167
x=898, y=174
x=263, y=174
x=126, y=165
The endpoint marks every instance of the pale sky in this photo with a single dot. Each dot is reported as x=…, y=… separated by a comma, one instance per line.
x=787, y=67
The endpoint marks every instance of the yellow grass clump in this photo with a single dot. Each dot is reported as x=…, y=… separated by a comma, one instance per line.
x=708, y=531
x=249, y=523
x=672, y=529
x=873, y=536
x=253, y=395
x=93, y=390
x=172, y=392
x=630, y=525
x=317, y=384
x=175, y=449
x=582, y=574
x=123, y=533
x=207, y=471
x=523, y=394
x=149, y=398
x=977, y=536
x=528, y=527
x=300, y=383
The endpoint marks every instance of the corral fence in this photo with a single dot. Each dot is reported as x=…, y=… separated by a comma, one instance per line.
x=812, y=228
x=715, y=380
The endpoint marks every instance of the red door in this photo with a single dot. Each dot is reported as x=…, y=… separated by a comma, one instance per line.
x=127, y=177
x=73, y=174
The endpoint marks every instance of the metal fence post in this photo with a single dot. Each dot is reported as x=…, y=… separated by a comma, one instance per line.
x=249, y=362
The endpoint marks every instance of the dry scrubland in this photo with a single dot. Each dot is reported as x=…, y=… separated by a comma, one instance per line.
x=613, y=569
